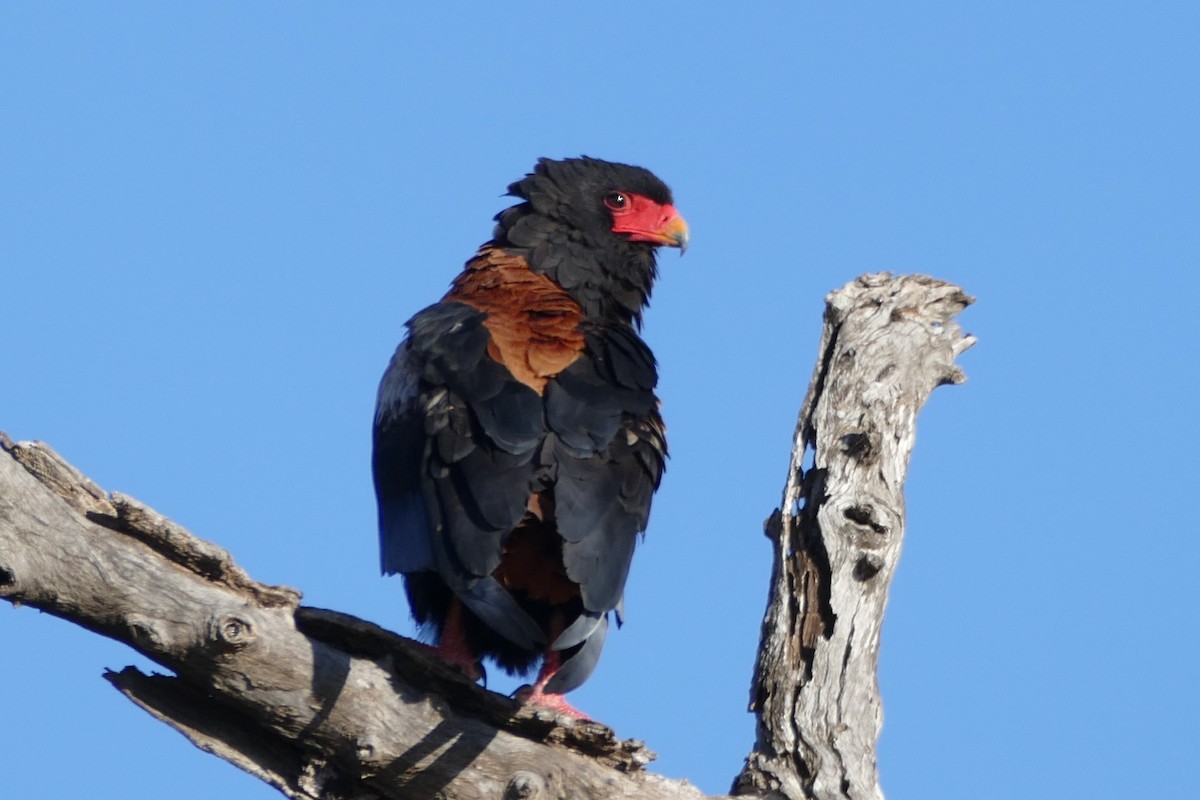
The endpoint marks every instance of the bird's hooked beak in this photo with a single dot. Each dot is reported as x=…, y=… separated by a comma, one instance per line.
x=646, y=221
x=675, y=232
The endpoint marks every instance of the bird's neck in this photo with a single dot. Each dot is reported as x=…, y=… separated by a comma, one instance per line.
x=609, y=283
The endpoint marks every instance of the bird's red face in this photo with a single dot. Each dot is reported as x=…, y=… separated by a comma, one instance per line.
x=642, y=220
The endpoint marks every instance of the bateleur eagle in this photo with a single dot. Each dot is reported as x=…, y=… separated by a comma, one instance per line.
x=517, y=438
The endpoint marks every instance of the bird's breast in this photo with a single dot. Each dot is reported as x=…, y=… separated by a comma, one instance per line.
x=533, y=322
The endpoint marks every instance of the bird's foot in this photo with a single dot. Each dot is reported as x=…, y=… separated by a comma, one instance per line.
x=452, y=646
x=536, y=696
x=459, y=658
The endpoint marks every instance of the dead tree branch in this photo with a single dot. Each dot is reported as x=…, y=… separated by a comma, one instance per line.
x=323, y=705
x=886, y=345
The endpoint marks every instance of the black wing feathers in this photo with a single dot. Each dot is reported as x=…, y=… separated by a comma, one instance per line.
x=608, y=467
x=460, y=445
x=450, y=341
x=396, y=463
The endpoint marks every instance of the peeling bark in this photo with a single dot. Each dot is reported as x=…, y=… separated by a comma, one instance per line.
x=324, y=705
x=886, y=345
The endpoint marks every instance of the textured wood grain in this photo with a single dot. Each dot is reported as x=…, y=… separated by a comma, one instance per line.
x=887, y=344
x=316, y=703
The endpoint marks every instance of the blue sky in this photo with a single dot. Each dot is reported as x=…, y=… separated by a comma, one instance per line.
x=215, y=219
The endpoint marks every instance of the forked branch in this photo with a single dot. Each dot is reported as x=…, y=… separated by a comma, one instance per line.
x=323, y=705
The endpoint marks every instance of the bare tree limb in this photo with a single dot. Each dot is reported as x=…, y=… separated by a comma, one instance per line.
x=323, y=705
x=886, y=345
x=318, y=704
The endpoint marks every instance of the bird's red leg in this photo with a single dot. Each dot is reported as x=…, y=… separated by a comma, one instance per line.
x=452, y=646
x=537, y=695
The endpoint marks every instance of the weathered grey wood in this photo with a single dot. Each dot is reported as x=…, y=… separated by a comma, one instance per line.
x=318, y=704
x=323, y=705
x=887, y=344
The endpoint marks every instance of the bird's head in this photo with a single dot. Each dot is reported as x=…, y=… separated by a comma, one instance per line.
x=593, y=226
x=604, y=201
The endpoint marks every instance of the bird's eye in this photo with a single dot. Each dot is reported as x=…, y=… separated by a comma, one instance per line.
x=616, y=200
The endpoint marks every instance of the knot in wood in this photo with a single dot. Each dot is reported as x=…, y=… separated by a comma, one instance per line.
x=146, y=631
x=233, y=631
x=8, y=580
x=867, y=567
x=524, y=785
x=858, y=446
x=864, y=514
